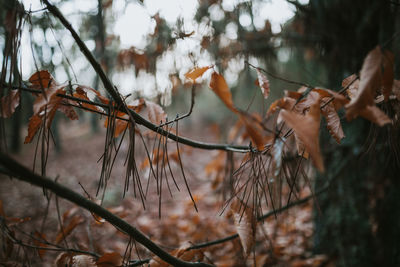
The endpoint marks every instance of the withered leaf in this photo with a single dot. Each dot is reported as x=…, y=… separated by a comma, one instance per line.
x=41, y=80
x=63, y=233
x=307, y=129
x=333, y=122
x=34, y=124
x=196, y=73
x=263, y=83
x=370, y=82
x=221, y=89
x=9, y=103
x=245, y=224
x=375, y=115
x=254, y=131
x=110, y=260
x=38, y=243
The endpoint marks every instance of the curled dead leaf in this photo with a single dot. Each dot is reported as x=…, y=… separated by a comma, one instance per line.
x=9, y=103
x=221, y=89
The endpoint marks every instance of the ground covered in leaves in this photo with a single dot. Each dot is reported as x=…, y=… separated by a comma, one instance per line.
x=172, y=221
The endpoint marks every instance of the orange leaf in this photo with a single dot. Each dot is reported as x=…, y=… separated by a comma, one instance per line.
x=110, y=260
x=37, y=243
x=370, y=82
x=245, y=224
x=307, y=129
x=255, y=132
x=41, y=80
x=196, y=73
x=221, y=89
x=388, y=73
x=34, y=124
x=75, y=221
x=263, y=83
x=9, y=103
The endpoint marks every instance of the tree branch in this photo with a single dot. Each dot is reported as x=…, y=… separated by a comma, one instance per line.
x=22, y=173
x=120, y=103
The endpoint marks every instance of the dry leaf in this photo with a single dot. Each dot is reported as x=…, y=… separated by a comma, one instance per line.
x=83, y=261
x=112, y=259
x=307, y=129
x=34, y=124
x=370, y=82
x=37, y=243
x=9, y=103
x=263, y=83
x=245, y=224
x=196, y=73
x=254, y=131
x=63, y=233
x=41, y=80
x=221, y=89
x=375, y=115
x=333, y=122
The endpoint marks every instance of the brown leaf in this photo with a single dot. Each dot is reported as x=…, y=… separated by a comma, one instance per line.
x=370, y=82
x=9, y=103
x=245, y=224
x=41, y=80
x=38, y=243
x=74, y=222
x=221, y=89
x=254, y=130
x=307, y=129
x=263, y=83
x=375, y=115
x=388, y=73
x=196, y=73
x=34, y=124
x=68, y=111
x=63, y=259
x=155, y=112
x=333, y=122
x=110, y=260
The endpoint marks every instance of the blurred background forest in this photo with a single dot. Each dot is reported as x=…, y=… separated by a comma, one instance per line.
x=146, y=47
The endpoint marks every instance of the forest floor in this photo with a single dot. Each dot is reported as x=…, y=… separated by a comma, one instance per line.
x=172, y=221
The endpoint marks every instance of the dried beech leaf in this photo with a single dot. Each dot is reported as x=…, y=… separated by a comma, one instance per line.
x=37, y=243
x=83, y=261
x=110, y=260
x=254, y=131
x=9, y=103
x=41, y=80
x=221, y=89
x=74, y=222
x=375, y=115
x=333, y=122
x=34, y=124
x=283, y=103
x=196, y=73
x=68, y=111
x=155, y=112
x=263, y=83
x=388, y=73
x=307, y=129
x=245, y=224
x=277, y=151
x=370, y=82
